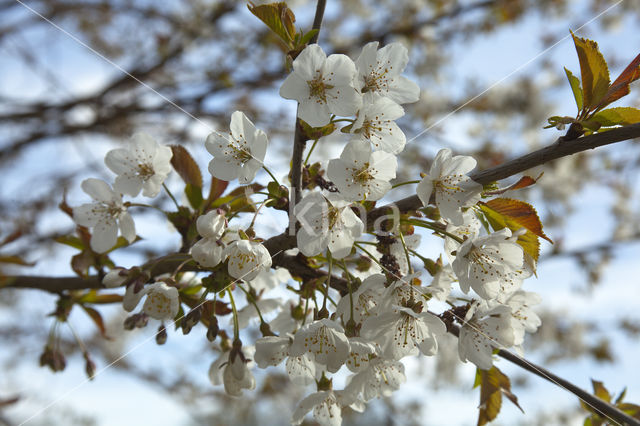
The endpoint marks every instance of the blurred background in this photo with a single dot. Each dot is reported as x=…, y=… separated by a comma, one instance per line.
x=63, y=105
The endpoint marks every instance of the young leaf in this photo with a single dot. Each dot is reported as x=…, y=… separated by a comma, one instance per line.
x=97, y=320
x=620, y=87
x=279, y=18
x=619, y=116
x=493, y=384
x=194, y=195
x=515, y=214
x=185, y=165
x=594, y=71
x=575, y=88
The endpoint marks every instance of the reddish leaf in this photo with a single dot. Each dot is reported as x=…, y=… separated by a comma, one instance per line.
x=620, y=87
x=524, y=182
x=493, y=384
x=217, y=189
x=185, y=165
x=222, y=308
x=278, y=17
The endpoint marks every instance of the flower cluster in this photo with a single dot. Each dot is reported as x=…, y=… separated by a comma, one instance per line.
x=382, y=312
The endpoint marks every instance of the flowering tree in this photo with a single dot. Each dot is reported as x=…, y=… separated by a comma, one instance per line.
x=359, y=296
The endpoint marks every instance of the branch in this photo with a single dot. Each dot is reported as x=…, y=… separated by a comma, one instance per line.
x=604, y=408
x=560, y=148
x=300, y=138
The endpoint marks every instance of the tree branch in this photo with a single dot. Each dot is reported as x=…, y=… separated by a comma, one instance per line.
x=604, y=408
x=560, y=148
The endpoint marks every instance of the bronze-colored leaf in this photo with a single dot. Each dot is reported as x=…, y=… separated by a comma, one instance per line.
x=185, y=165
x=620, y=87
x=493, y=384
x=97, y=320
x=594, y=71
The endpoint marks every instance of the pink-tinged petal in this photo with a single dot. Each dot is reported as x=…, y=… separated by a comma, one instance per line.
x=99, y=190
x=225, y=168
x=315, y=113
x=104, y=237
x=127, y=227
x=425, y=189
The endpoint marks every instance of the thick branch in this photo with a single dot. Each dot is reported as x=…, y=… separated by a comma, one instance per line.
x=604, y=408
x=560, y=148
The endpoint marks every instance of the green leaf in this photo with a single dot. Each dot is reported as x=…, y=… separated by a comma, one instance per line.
x=594, y=71
x=279, y=18
x=619, y=116
x=185, y=165
x=16, y=260
x=194, y=195
x=306, y=37
x=575, y=88
x=71, y=241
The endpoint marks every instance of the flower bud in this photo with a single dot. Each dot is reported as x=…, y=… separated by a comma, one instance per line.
x=136, y=321
x=212, y=331
x=161, y=335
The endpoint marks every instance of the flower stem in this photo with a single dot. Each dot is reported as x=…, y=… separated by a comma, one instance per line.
x=406, y=252
x=306, y=160
x=409, y=182
x=266, y=169
x=171, y=196
x=236, y=327
x=434, y=227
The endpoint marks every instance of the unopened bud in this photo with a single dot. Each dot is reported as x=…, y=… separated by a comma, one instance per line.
x=89, y=367
x=53, y=359
x=161, y=335
x=190, y=320
x=212, y=331
x=136, y=321
x=265, y=329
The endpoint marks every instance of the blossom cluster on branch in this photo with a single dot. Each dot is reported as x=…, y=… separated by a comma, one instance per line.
x=384, y=313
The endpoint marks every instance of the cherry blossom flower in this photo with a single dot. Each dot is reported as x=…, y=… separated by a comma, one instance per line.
x=115, y=278
x=440, y=286
x=325, y=339
x=379, y=378
x=209, y=251
x=240, y=154
x=365, y=299
x=487, y=326
x=105, y=216
x=453, y=188
x=232, y=369
x=143, y=166
x=490, y=264
x=326, y=407
x=326, y=222
x=361, y=174
x=322, y=85
x=401, y=331
x=247, y=259
x=162, y=302
x=379, y=73
x=470, y=228
x=375, y=124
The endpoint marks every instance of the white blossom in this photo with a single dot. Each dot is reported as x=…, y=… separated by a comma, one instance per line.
x=105, y=216
x=143, y=166
x=486, y=326
x=490, y=264
x=247, y=259
x=322, y=85
x=271, y=350
x=365, y=299
x=326, y=222
x=238, y=155
x=379, y=378
x=379, y=73
x=233, y=370
x=162, y=301
x=325, y=339
x=361, y=174
x=209, y=251
x=401, y=331
x=326, y=407
x=453, y=189
x=375, y=123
